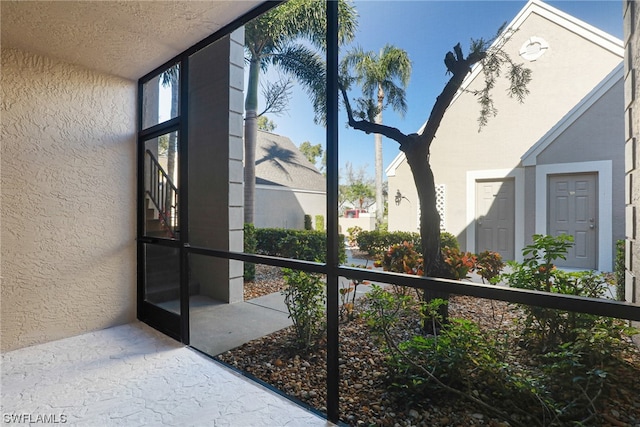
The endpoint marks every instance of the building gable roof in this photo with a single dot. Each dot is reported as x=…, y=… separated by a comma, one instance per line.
x=529, y=158
x=538, y=7
x=280, y=163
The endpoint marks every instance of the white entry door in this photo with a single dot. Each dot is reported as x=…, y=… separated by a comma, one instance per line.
x=572, y=210
x=495, y=217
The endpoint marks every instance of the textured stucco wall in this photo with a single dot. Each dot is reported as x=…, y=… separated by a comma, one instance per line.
x=68, y=200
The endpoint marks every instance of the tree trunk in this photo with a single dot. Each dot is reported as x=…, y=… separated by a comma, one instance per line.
x=250, y=140
x=418, y=159
x=378, y=156
x=172, y=149
x=173, y=139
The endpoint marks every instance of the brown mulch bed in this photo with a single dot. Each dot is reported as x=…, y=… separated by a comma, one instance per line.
x=268, y=280
x=367, y=398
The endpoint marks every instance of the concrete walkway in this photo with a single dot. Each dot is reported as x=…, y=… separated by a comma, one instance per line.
x=216, y=327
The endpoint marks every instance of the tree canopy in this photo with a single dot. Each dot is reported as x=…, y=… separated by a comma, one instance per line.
x=289, y=37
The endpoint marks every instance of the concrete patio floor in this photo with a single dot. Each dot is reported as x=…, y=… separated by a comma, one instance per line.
x=132, y=375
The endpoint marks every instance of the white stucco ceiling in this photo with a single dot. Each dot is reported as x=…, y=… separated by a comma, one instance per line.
x=124, y=38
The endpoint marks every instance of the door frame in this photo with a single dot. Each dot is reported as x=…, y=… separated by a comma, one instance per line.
x=604, y=171
x=517, y=175
x=172, y=324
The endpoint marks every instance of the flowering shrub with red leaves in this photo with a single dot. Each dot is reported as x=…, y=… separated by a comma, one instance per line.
x=460, y=263
x=403, y=259
x=489, y=265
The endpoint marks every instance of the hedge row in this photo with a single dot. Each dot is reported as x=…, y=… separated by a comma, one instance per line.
x=376, y=243
x=307, y=245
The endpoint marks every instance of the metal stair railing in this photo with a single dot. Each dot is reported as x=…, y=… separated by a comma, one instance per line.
x=163, y=194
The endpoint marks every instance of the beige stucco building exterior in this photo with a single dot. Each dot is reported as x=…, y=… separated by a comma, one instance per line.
x=560, y=153
x=68, y=89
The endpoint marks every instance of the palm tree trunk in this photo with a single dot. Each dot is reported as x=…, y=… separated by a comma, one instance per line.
x=250, y=137
x=173, y=137
x=172, y=150
x=250, y=140
x=378, y=159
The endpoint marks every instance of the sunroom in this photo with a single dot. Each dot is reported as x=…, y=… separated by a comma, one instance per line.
x=123, y=183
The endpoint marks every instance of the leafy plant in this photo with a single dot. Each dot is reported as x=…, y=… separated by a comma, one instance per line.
x=460, y=263
x=250, y=244
x=620, y=270
x=549, y=329
x=348, y=296
x=459, y=359
x=352, y=235
x=489, y=265
x=304, y=297
x=309, y=245
x=376, y=242
x=448, y=240
x=402, y=259
x=555, y=379
x=307, y=222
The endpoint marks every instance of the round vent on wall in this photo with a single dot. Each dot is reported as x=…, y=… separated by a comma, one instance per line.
x=533, y=48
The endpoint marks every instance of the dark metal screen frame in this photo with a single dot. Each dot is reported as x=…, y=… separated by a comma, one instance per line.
x=331, y=269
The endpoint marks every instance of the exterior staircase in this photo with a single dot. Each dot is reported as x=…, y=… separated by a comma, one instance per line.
x=161, y=220
x=161, y=194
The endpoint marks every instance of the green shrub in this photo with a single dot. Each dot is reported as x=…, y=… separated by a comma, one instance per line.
x=489, y=265
x=544, y=328
x=460, y=263
x=403, y=258
x=383, y=227
x=304, y=297
x=448, y=240
x=460, y=356
x=250, y=248
x=377, y=242
x=308, y=245
x=307, y=222
x=319, y=223
x=620, y=270
x=556, y=382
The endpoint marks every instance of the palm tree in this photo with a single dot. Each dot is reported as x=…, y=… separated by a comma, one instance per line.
x=171, y=78
x=271, y=39
x=383, y=77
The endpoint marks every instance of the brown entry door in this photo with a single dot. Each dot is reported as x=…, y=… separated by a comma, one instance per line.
x=495, y=217
x=572, y=210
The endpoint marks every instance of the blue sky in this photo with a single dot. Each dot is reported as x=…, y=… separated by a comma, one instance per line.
x=426, y=30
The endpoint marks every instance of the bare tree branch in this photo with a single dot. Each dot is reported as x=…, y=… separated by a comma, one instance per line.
x=370, y=127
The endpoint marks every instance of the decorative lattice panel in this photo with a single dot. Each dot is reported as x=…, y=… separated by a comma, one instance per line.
x=440, y=205
x=440, y=200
